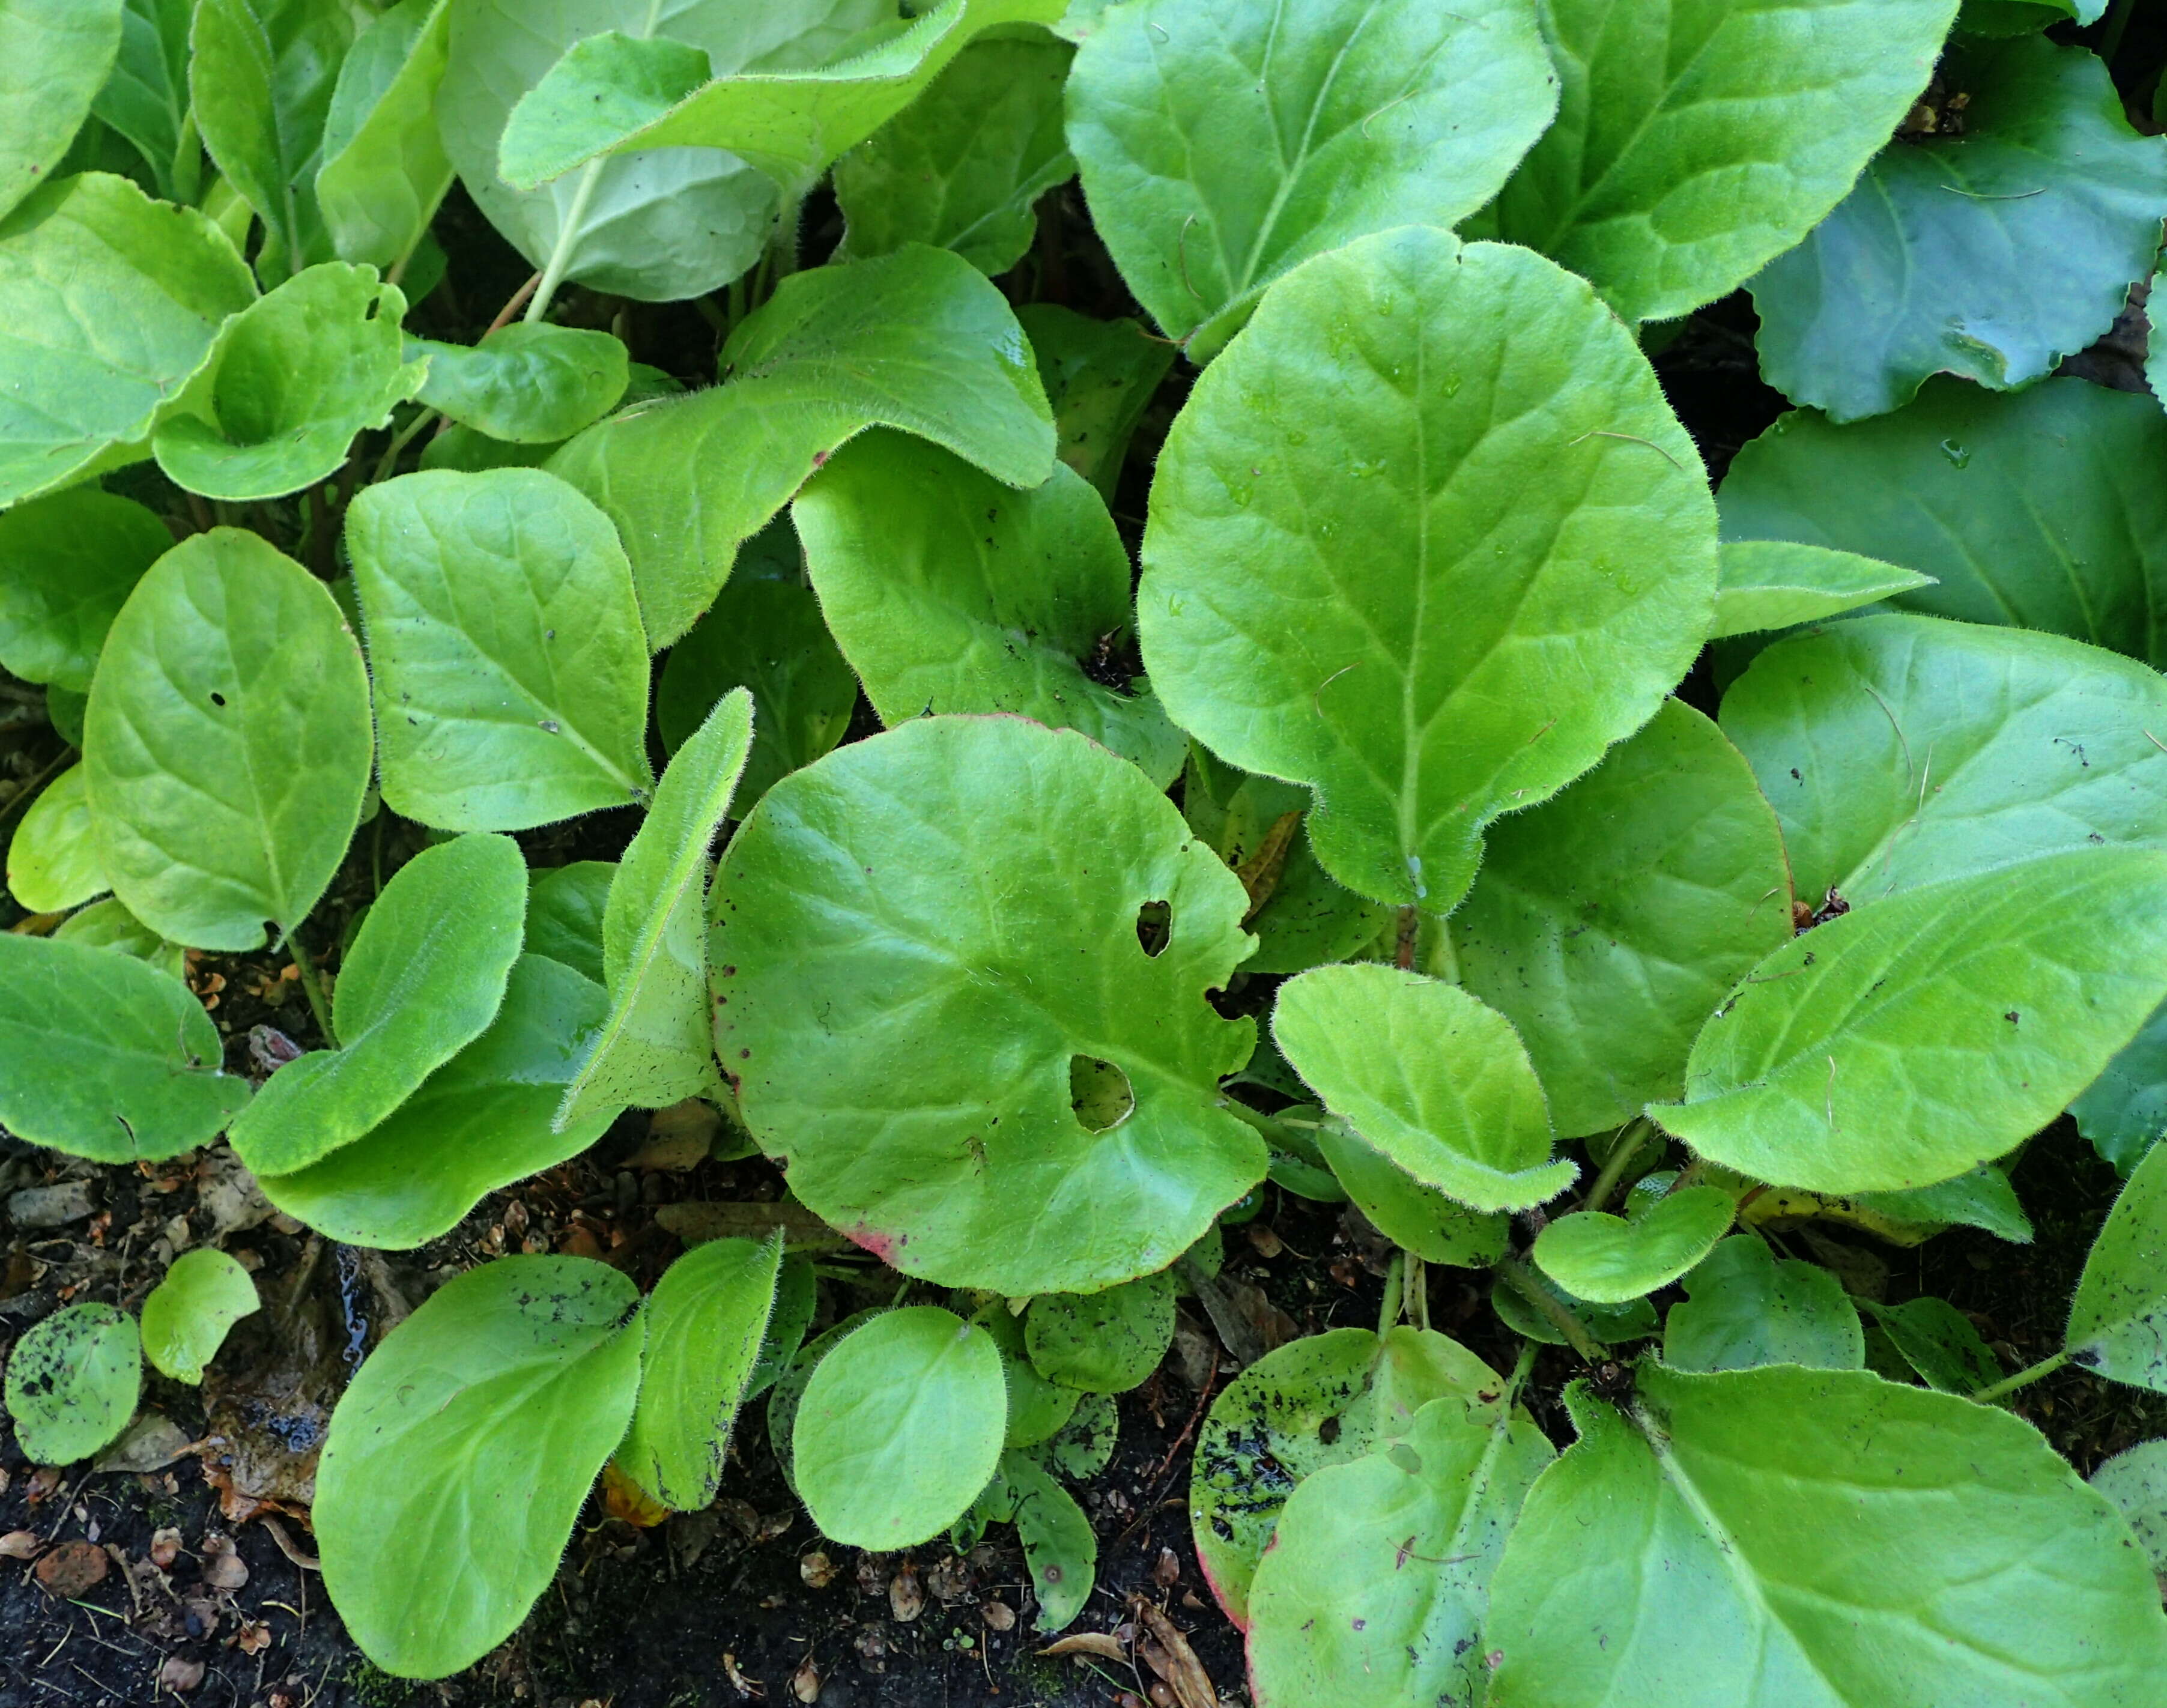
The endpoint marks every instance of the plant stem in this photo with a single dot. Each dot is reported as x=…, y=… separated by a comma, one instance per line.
x=1395, y=1280
x=568, y=237
x=1415, y=1287
x=29, y=791
x=1622, y=1155
x=1521, y=1367
x=2023, y=1378
x=1515, y=1272
x=399, y=440
x=312, y=987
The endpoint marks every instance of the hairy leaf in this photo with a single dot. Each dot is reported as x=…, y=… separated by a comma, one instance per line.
x=461, y=1452
x=1876, y=1052
x=105, y=1056
x=1424, y=1220
x=1222, y=146
x=2136, y=1482
x=1428, y=540
x=1774, y=583
x=425, y=976
x=511, y=669
x=227, y=743
x=908, y=957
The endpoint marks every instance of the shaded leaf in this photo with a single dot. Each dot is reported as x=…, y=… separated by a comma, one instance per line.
x=1939, y=1342
x=1059, y=1549
x=1424, y=1220
x=1747, y=1307
x=2116, y=1319
x=1102, y=1342
x=1099, y=376
x=68, y=564
x=526, y=384
x=565, y=909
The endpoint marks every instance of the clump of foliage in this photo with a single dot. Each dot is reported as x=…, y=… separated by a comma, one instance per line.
x=1396, y=873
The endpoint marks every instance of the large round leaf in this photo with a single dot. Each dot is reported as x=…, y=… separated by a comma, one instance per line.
x=68, y=564
x=1372, y=1593
x=917, y=341
x=1694, y=142
x=83, y=257
x=914, y=942
x=510, y=669
x=1607, y=924
x=103, y=1055
x=424, y=978
x=1992, y=252
x=2036, y=510
x=1428, y=540
x=948, y=592
x=1897, y=750
x=72, y=1383
x=460, y=1454
x=1914, y=1038
x=1822, y=1537
x=900, y=1428
x=227, y=743
x=298, y=374
x=481, y=1121
x=1428, y=1075
x=1322, y=1400
x=1222, y=145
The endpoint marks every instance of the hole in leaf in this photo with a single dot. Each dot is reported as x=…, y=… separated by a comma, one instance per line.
x=1154, y=925
x=1098, y=1091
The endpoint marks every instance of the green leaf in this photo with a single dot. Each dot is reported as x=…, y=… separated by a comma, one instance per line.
x=1038, y=1408
x=186, y=1317
x=72, y=1383
x=1267, y=1431
x=262, y=79
x=620, y=93
x=52, y=858
x=1612, y=1259
x=424, y=978
x=1899, y=750
x=658, y=227
x=947, y=592
x=227, y=743
x=298, y=374
x=2124, y=1111
x=1745, y=1306
x=796, y=1297
x=2136, y=1482
x=788, y=1393
x=529, y=384
x=1812, y=1075
x=565, y=909
x=505, y=639
x=1308, y=920
x=908, y=960
x=1810, y=1536
x=1103, y=1342
x=1774, y=583
x=108, y=925
x=461, y=1452
x=1435, y=1228
x=104, y=1056
x=55, y=56
x=68, y=564
x=961, y=167
x=1100, y=376
x=1911, y=274
x=918, y=340
x=145, y=99
x=2032, y=511
x=1428, y=540
x=657, y=1047
x=1608, y=921
x=900, y=1429
x=1222, y=146
x=75, y=256
x=1373, y=1592
x=1694, y=143
x=1983, y=1198
x=1607, y=1324
x=1939, y=1342
x=1060, y=1550
x=2116, y=1319
x=1428, y=1075
x=385, y=169
x=705, y=1321
x=1083, y=1446
x=768, y=636
x=479, y=1122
